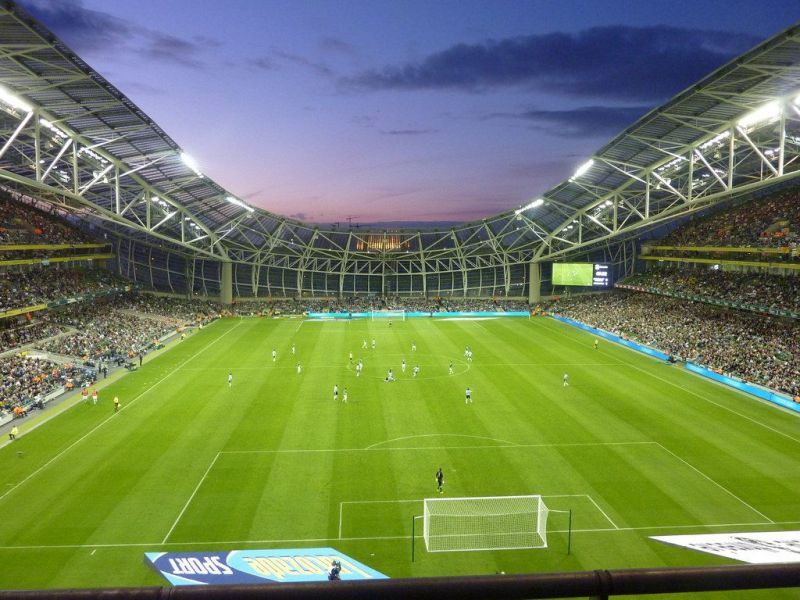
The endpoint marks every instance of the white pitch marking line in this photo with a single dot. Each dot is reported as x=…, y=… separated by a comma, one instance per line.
x=113, y=415
x=427, y=435
x=437, y=448
x=366, y=539
x=689, y=391
x=185, y=506
x=719, y=485
x=93, y=551
x=602, y=511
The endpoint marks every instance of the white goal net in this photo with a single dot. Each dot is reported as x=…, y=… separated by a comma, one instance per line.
x=489, y=523
x=397, y=315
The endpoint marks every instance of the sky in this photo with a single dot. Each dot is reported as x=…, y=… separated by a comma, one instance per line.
x=413, y=111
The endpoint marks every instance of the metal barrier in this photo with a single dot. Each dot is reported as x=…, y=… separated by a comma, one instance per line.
x=596, y=585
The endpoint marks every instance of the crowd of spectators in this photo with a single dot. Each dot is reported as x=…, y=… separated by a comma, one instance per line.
x=23, y=224
x=773, y=221
x=105, y=333
x=17, y=335
x=43, y=284
x=757, y=348
x=758, y=290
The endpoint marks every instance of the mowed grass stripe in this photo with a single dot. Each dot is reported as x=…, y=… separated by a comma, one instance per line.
x=288, y=454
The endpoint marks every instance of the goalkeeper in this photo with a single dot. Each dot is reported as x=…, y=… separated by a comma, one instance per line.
x=440, y=480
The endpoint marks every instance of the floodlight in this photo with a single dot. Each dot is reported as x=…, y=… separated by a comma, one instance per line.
x=583, y=168
x=14, y=101
x=238, y=202
x=191, y=163
x=529, y=205
x=765, y=113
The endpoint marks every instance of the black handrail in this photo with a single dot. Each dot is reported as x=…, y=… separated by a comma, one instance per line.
x=598, y=584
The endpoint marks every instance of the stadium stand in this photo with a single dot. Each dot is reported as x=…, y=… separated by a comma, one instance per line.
x=22, y=224
x=759, y=349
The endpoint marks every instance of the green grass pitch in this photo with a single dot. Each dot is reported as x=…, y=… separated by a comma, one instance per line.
x=632, y=446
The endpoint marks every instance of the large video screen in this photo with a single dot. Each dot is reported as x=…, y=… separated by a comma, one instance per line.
x=580, y=274
x=573, y=273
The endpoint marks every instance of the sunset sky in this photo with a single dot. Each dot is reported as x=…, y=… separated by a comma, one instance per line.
x=404, y=110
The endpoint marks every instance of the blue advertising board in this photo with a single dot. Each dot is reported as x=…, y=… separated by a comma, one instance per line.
x=236, y=567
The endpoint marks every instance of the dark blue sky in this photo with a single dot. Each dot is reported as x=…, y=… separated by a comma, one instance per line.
x=403, y=110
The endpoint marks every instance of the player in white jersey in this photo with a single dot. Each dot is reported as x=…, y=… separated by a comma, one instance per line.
x=335, y=392
x=364, y=345
x=415, y=372
x=468, y=397
x=344, y=395
x=403, y=366
x=373, y=343
x=469, y=355
x=299, y=368
x=566, y=380
x=450, y=368
x=389, y=376
x=274, y=355
x=230, y=379
x=293, y=350
x=413, y=346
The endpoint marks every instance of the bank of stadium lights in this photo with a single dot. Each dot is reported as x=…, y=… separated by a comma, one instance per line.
x=718, y=139
x=191, y=163
x=239, y=203
x=768, y=112
x=582, y=169
x=59, y=133
x=529, y=205
x=10, y=99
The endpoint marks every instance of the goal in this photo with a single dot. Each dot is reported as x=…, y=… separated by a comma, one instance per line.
x=397, y=315
x=487, y=523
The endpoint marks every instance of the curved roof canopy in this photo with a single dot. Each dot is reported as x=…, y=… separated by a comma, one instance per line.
x=69, y=135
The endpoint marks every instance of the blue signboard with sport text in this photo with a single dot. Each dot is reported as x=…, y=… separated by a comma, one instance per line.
x=236, y=567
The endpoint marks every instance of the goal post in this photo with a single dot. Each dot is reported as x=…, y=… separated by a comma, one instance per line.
x=484, y=523
x=397, y=315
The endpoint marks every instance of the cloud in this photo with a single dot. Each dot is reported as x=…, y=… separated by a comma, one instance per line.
x=337, y=46
x=621, y=62
x=317, y=67
x=409, y=131
x=88, y=30
x=585, y=121
x=262, y=63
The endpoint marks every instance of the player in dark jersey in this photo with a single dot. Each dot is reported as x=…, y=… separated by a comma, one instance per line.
x=440, y=480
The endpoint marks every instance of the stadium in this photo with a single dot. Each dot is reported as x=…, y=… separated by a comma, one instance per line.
x=197, y=391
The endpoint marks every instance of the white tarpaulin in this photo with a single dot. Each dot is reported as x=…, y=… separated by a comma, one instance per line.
x=755, y=548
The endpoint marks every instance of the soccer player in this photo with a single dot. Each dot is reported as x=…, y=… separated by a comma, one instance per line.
x=116, y=404
x=299, y=368
x=373, y=343
x=389, y=376
x=450, y=368
x=403, y=366
x=94, y=397
x=12, y=435
x=230, y=379
x=413, y=346
x=334, y=571
x=416, y=370
x=469, y=355
x=468, y=397
x=466, y=351
x=358, y=369
x=364, y=345
x=344, y=395
x=335, y=392
x=595, y=343
x=274, y=355
x=440, y=480
x=351, y=357
x=85, y=394
x=566, y=380
x=293, y=350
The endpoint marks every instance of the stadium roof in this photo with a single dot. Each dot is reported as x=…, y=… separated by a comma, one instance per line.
x=93, y=147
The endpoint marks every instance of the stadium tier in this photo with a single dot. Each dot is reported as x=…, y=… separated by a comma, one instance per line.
x=198, y=391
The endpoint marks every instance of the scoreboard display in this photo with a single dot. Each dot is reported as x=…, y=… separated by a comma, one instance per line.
x=581, y=274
